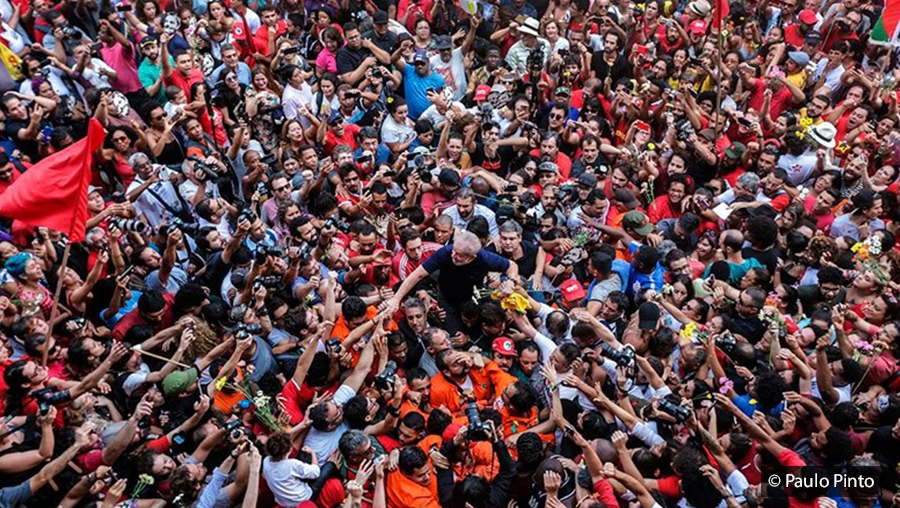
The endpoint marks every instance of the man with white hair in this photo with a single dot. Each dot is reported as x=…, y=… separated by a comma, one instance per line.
x=157, y=201
x=463, y=266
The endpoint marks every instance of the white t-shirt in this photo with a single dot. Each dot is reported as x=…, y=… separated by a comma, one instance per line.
x=453, y=72
x=392, y=132
x=325, y=443
x=285, y=480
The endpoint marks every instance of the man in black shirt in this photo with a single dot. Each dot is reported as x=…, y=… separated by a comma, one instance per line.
x=379, y=34
x=524, y=254
x=22, y=126
x=609, y=63
x=354, y=59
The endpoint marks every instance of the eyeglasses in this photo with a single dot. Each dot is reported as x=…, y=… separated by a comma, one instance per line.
x=231, y=78
x=507, y=82
x=283, y=187
x=556, y=117
x=157, y=118
x=119, y=139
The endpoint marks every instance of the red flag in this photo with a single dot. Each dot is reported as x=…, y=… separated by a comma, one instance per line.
x=722, y=10
x=53, y=193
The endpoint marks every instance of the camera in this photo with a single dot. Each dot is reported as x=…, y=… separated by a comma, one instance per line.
x=128, y=225
x=263, y=251
x=726, y=342
x=487, y=112
x=234, y=429
x=70, y=32
x=535, y=60
x=477, y=429
x=338, y=224
x=270, y=282
x=683, y=129
x=202, y=168
x=50, y=396
x=268, y=159
x=186, y=228
x=680, y=413
x=333, y=346
x=248, y=215
x=376, y=73
x=622, y=357
x=243, y=330
x=384, y=380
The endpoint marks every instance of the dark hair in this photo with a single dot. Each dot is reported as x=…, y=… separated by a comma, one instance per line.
x=412, y=458
x=278, y=446
x=151, y=301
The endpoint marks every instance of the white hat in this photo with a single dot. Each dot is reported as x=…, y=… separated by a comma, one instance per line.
x=530, y=26
x=700, y=7
x=823, y=134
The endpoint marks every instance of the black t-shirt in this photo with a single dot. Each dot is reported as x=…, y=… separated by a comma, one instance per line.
x=767, y=258
x=527, y=263
x=28, y=146
x=457, y=282
x=348, y=60
x=386, y=43
x=618, y=69
x=498, y=165
x=751, y=328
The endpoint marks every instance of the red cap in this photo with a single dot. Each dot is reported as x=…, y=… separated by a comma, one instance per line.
x=481, y=92
x=572, y=290
x=642, y=126
x=504, y=346
x=450, y=432
x=697, y=27
x=808, y=17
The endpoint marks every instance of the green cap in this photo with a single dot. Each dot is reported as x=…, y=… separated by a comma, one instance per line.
x=638, y=222
x=179, y=381
x=735, y=150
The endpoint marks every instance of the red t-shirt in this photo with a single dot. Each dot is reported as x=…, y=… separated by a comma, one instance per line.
x=184, y=82
x=348, y=138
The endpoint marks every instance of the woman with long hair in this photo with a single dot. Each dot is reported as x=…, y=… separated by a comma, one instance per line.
x=262, y=103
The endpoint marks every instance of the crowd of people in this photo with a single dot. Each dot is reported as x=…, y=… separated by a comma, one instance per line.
x=440, y=254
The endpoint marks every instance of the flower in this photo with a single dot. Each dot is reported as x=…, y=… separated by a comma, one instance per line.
x=688, y=331
x=725, y=385
x=146, y=478
x=864, y=346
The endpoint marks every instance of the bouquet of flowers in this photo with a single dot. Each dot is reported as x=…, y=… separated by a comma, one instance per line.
x=772, y=318
x=144, y=481
x=261, y=407
x=866, y=253
x=693, y=331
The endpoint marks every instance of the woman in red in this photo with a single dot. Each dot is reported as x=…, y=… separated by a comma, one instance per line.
x=671, y=204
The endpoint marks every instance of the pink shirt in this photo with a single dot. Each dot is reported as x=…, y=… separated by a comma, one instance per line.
x=121, y=59
x=326, y=61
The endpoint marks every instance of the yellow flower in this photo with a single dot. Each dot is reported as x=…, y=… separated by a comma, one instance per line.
x=220, y=383
x=688, y=331
x=515, y=302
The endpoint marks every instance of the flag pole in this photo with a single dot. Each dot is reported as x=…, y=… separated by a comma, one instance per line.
x=719, y=53
x=58, y=292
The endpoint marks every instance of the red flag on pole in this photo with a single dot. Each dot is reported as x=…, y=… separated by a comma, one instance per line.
x=722, y=10
x=53, y=193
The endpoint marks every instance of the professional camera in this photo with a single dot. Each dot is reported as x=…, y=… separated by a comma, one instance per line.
x=535, y=60
x=683, y=129
x=268, y=159
x=50, y=396
x=243, y=331
x=248, y=215
x=260, y=188
x=189, y=229
x=477, y=429
x=338, y=224
x=235, y=429
x=128, y=225
x=680, y=413
x=271, y=282
x=487, y=112
x=376, y=73
x=726, y=342
x=384, y=380
x=202, y=170
x=70, y=33
x=622, y=357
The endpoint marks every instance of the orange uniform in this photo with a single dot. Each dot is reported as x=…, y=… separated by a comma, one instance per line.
x=487, y=384
x=405, y=493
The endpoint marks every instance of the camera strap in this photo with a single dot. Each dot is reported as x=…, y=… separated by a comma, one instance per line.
x=186, y=217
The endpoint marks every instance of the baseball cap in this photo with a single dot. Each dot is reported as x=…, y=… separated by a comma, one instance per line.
x=799, y=57
x=449, y=177
x=563, y=90
x=735, y=150
x=481, y=92
x=335, y=116
x=813, y=37
x=587, y=179
x=380, y=18
x=548, y=167
x=697, y=27
x=707, y=134
x=808, y=17
x=443, y=42
x=572, y=290
x=150, y=39
x=420, y=57
x=648, y=316
x=638, y=222
x=179, y=381
x=504, y=346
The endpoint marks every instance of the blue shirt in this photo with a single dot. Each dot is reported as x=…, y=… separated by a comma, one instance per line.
x=748, y=406
x=243, y=74
x=381, y=154
x=415, y=86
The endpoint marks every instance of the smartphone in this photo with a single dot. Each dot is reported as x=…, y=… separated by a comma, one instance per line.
x=96, y=47
x=641, y=49
x=127, y=273
x=123, y=8
x=429, y=90
x=291, y=50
